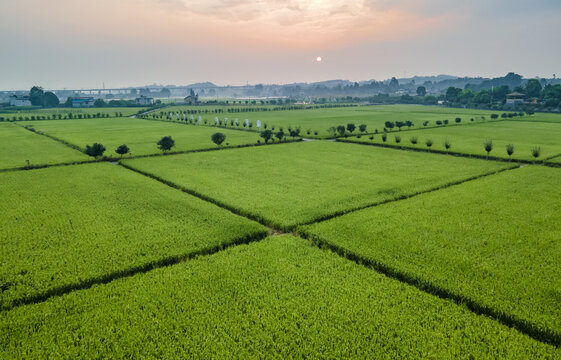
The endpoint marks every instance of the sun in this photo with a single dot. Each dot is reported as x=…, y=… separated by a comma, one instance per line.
x=318, y=59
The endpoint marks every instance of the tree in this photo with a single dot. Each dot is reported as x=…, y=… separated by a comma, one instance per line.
x=397, y=139
x=351, y=127
x=166, y=143
x=99, y=103
x=389, y=124
x=218, y=138
x=50, y=99
x=122, y=150
x=447, y=145
x=280, y=135
x=267, y=135
x=384, y=137
x=409, y=123
x=458, y=120
x=421, y=91
x=393, y=85
x=294, y=133
x=96, y=150
x=362, y=128
x=165, y=92
x=341, y=130
x=36, y=96
x=536, y=151
x=509, y=150
x=533, y=88
x=488, y=146
x=494, y=116
x=452, y=94
x=399, y=124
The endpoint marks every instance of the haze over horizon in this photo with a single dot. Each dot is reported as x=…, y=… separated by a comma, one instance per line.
x=78, y=44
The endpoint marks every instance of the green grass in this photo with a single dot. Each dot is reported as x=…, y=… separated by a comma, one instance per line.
x=279, y=298
x=141, y=136
x=67, y=226
x=469, y=139
x=540, y=117
x=321, y=120
x=556, y=160
x=285, y=185
x=494, y=241
x=48, y=113
x=18, y=145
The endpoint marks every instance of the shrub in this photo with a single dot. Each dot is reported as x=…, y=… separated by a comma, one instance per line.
x=362, y=128
x=425, y=123
x=341, y=130
x=445, y=122
x=384, y=137
x=438, y=122
x=428, y=142
x=266, y=135
x=458, y=120
x=371, y=137
x=413, y=140
x=397, y=139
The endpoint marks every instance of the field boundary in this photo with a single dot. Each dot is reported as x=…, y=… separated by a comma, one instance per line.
x=139, y=269
x=405, y=197
x=520, y=325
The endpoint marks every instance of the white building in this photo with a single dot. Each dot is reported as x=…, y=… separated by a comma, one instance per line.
x=20, y=100
x=144, y=100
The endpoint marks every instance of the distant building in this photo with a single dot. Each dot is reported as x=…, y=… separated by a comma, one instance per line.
x=144, y=100
x=192, y=100
x=514, y=98
x=82, y=102
x=20, y=100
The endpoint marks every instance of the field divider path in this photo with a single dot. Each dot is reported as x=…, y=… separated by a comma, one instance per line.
x=453, y=153
x=404, y=197
x=144, y=268
x=513, y=322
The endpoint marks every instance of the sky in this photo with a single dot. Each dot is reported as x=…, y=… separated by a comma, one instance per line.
x=78, y=44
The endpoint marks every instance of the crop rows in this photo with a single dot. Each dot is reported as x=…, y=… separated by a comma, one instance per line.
x=20, y=148
x=300, y=183
x=279, y=298
x=493, y=242
x=68, y=227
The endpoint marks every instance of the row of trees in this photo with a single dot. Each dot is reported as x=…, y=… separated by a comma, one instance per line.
x=488, y=145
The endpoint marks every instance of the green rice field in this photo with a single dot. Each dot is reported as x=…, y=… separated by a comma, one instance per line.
x=18, y=145
x=470, y=139
x=494, y=241
x=316, y=249
x=52, y=114
x=280, y=298
x=321, y=120
x=67, y=226
x=298, y=183
x=141, y=136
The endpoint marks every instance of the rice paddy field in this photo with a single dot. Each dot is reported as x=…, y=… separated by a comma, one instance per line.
x=320, y=120
x=280, y=298
x=17, y=146
x=469, y=139
x=495, y=242
x=141, y=136
x=309, y=249
x=298, y=183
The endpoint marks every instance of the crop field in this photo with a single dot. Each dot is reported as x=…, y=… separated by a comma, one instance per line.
x=298, y=183
x=492, y=241
x=139, y=135
x=68, y=226
x=18, y=145
x=555, y=160
x=320, y=120
x=62, y=113
x=470, y=139
x=280, y=298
